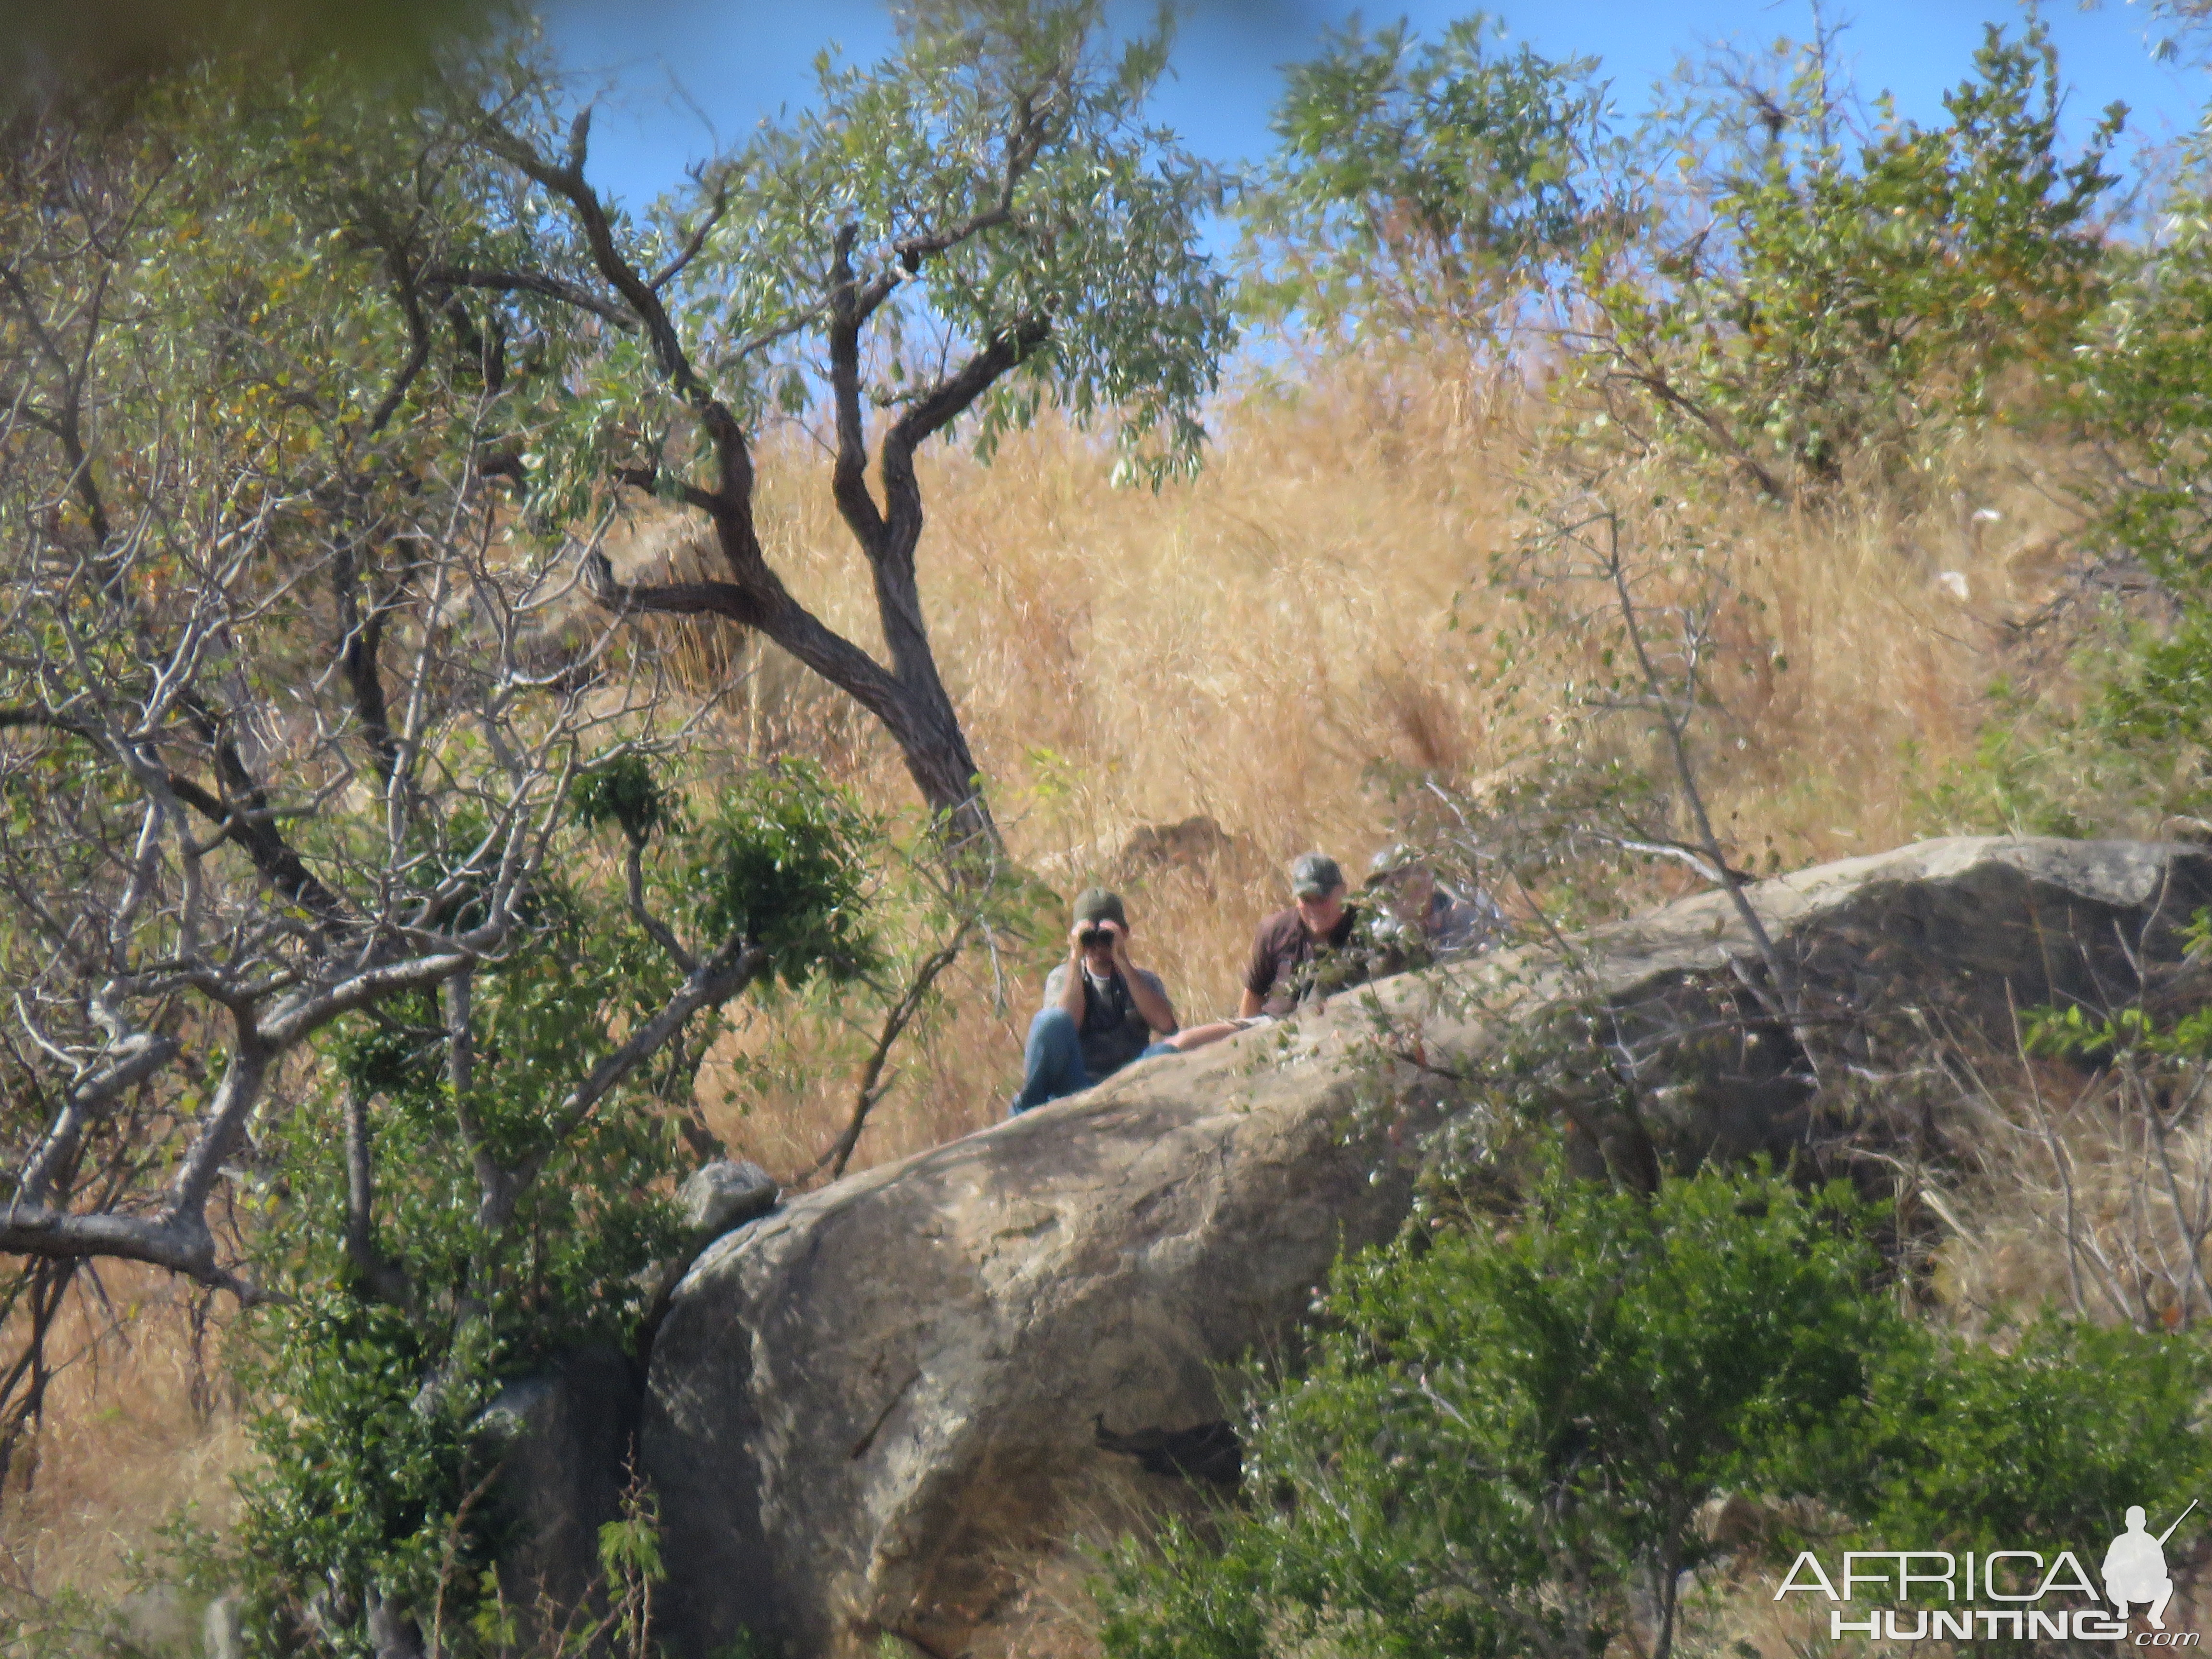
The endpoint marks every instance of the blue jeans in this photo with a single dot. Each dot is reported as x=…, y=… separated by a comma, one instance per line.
x=1052, y=1061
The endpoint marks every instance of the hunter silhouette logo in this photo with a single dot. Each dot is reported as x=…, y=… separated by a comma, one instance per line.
x=2015, y=1595
x=2134, y=1567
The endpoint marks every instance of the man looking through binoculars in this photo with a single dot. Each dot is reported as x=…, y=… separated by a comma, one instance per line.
x=1101, y=1010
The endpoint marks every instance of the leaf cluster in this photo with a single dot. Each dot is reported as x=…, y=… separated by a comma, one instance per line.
x=783, y=862
x=1845, y=292
x=1501, y=1439
x=1416, y=181
x=1754, y=275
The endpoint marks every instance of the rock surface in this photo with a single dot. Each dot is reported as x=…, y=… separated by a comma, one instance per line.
x=568, y=1436
x=723, y=1195
x=223, y=1630
x=887, y=1408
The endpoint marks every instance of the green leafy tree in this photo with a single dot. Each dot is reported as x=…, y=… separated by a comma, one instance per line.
x=1842, y=291
x=1419, y=184
x=977, y=226
x=1760, y=283
x=242, y=796
x=323, y=982
x=2140, y=392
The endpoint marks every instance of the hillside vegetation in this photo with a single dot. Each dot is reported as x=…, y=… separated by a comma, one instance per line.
x=1311, y=621
x=476, y=744
x=1263, y=646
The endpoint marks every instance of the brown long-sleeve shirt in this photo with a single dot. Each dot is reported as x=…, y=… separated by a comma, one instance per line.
x=1281, y=947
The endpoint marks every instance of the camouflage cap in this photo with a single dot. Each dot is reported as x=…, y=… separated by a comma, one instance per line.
x=1314, y=875
x=1096, y=904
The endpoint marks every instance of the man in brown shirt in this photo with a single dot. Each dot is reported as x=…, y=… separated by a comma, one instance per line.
x=1292, y=944
x=1291, y=957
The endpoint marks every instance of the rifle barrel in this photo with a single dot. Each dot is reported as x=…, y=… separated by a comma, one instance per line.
x=2177, y=1520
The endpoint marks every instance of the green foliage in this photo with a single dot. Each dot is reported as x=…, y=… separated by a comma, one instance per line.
x=630, y=1566
x=2126, y=761
x=1496, y=1436
x=67, y=1624
x=1500, y=1440
x=2137, y=1034
x=1089, y=245
x=2073, y=1033
x=375, y=1377
x=2042, y=1443
x=2145, y=392
x=2147, y=1041
x=1770, y=288
x=2162, y=696
x=1415, y=182
x=369, y=1432
x=622, y=791
x=365, y=1470
x=2147, y=386
x=1845, y=292
x=2016, y=781
x=783, y=863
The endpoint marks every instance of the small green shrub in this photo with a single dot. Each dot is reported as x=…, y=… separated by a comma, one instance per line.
x=1499, y=1436
x=2039, y=1444
x=1501, y=1441
x=783, y=862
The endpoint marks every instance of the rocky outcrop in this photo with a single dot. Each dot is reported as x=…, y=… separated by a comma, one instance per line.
x=566, y=1437
x=723, y=1195
x=893, y=1405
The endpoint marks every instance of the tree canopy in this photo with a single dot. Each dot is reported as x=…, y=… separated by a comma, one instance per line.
x=978, y=227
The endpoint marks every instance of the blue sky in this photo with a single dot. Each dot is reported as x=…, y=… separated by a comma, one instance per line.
x=673, y=74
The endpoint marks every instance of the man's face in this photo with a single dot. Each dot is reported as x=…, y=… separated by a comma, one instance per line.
x=1319, y=915
x=1098, y=952
x=1410, y=894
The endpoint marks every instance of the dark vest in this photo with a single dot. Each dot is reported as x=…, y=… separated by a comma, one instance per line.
x=1114, y=1031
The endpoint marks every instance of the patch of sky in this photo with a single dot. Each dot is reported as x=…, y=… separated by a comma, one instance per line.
x=677, y=80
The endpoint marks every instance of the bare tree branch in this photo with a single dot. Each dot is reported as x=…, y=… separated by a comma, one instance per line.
x=874, y=1085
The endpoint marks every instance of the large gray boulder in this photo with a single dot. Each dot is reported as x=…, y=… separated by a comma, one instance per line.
x=879, y=1411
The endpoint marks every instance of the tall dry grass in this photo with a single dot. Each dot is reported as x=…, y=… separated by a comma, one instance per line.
x=1248, y=647
x=2086, y=1187
x=141, y=1426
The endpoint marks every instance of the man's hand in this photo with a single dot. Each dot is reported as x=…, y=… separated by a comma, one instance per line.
x=1072, y=1002
x=1155, y=1010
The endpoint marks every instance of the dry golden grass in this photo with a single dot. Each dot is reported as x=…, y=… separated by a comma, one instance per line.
x=1247, y=648
x=1250, y=646
x=139, y=1426
x=2091, y=1189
